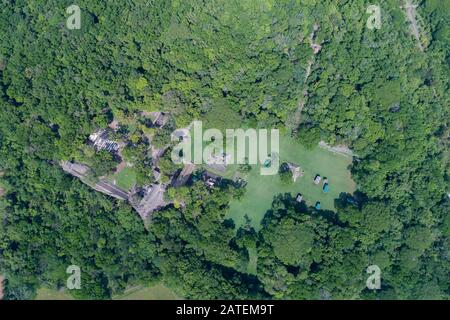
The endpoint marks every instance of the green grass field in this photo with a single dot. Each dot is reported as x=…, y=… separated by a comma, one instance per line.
x=52, y=294
x=253, y=261
x=155, y=292
x=126, y=178
x=261, y=189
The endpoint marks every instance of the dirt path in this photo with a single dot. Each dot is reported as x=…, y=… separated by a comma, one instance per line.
x=411, y=15
x=110, y=189
x=298, y=112
x=1, y=287
x=315, y=47
x=339, y=149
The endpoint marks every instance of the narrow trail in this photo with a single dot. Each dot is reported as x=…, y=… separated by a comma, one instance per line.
x=298, y=112
x=1, y=287
x=303, y=99
x=411, y=15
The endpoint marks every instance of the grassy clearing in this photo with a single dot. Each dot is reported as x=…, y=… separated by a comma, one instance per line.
x=52, y=294
x=156, y=292
x=262, y=189
x=126, y=178
x=253, y=260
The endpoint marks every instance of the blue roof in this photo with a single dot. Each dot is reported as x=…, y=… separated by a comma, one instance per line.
x=318, y=205
x=325, y=187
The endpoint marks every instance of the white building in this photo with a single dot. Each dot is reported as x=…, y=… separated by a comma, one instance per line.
x=101, y=142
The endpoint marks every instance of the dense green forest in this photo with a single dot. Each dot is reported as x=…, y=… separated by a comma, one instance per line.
x=246, y=63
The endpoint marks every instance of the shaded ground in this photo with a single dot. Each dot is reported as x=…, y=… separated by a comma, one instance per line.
x=1, y=287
